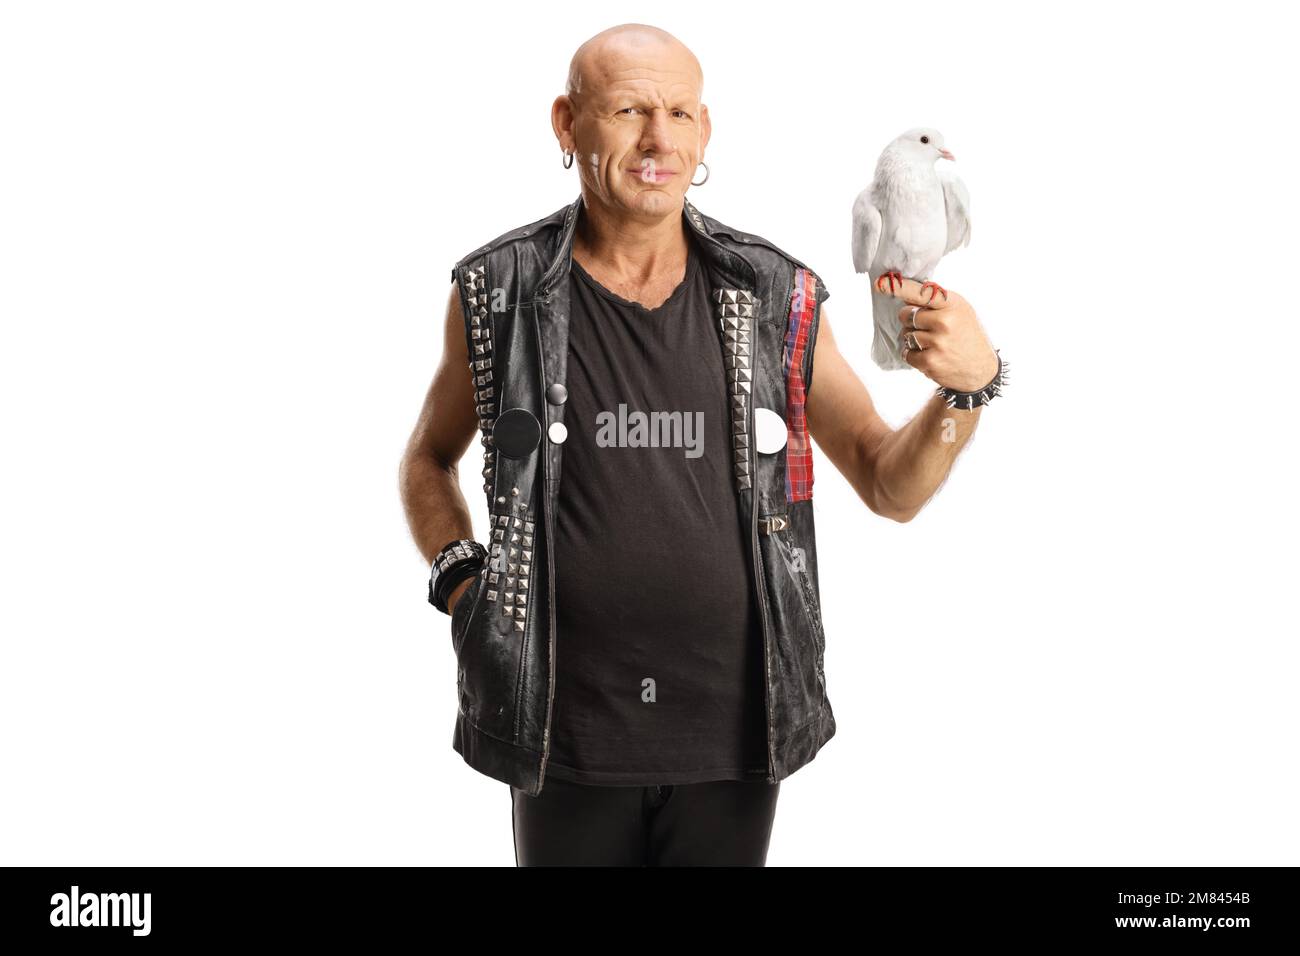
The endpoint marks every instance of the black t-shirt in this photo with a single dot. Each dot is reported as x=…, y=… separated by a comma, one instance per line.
x=659, y=649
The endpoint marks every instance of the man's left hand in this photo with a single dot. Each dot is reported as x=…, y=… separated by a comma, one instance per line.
x=951, y=347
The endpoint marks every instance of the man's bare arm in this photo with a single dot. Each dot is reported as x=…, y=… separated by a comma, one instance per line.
x=428, y=477
x=894, y=471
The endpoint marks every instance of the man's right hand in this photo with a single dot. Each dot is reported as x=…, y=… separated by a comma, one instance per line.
x=456, y=592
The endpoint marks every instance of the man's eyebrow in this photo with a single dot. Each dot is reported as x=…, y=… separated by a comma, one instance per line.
x=633, y=99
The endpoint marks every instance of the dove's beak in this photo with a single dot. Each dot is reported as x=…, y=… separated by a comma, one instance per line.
x=947, y=155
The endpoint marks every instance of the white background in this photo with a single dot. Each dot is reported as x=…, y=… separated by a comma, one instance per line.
x=228, y=230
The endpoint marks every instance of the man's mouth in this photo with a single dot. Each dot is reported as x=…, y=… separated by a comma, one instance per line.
x=648, y=175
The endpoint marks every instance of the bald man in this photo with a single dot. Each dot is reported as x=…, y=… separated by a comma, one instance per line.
x=639, y=643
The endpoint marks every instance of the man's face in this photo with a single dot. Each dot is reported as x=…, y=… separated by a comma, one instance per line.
x=640, y=133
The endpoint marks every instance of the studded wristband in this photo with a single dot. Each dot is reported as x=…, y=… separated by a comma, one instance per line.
x=982, y=396
x=457, y=561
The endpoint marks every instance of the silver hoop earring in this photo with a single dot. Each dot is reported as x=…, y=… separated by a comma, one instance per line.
x=706, y=174
x=568, y=159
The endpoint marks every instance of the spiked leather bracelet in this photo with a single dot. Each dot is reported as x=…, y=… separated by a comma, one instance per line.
x=457, y=561
x=981, y=396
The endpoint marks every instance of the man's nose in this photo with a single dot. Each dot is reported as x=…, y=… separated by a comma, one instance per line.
x=657, y=136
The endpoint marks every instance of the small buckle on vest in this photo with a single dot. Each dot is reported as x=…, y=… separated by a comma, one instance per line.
x=769, y=524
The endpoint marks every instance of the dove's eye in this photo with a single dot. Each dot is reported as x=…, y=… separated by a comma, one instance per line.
x=925, y=139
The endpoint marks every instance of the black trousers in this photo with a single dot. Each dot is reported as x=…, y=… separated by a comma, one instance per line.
x=720, y=823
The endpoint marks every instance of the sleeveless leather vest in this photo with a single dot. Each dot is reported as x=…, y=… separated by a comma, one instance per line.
x=515, y=299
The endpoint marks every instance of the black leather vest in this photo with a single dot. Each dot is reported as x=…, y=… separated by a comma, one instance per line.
x=515, y=299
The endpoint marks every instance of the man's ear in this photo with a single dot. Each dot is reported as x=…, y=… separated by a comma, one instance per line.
x=706, y=127
x=562, y=119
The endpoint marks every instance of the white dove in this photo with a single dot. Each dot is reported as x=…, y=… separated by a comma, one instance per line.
x=909, y=218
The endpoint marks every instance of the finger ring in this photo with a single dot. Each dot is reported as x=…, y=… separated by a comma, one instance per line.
x=910, y=341
x=911, y=319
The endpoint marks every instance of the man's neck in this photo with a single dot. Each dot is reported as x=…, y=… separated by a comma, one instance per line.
x=635, y=252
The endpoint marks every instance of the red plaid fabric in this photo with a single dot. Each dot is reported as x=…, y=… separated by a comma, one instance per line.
x=798, y=449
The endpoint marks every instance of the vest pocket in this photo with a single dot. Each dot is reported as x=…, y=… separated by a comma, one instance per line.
x=464, y=611
x=797, y=629
x=488, y=652
x=796, y=563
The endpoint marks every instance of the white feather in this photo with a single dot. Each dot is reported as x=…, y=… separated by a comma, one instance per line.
x=866, y=231
x=956, y=201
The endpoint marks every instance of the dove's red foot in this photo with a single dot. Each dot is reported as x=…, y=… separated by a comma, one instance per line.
x=935, y=285
x=892, y=276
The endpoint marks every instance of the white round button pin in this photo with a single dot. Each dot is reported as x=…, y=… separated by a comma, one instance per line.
x=770, y=431
x=557, y=432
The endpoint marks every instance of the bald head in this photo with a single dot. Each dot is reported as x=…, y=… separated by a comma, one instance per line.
x=627, y=47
